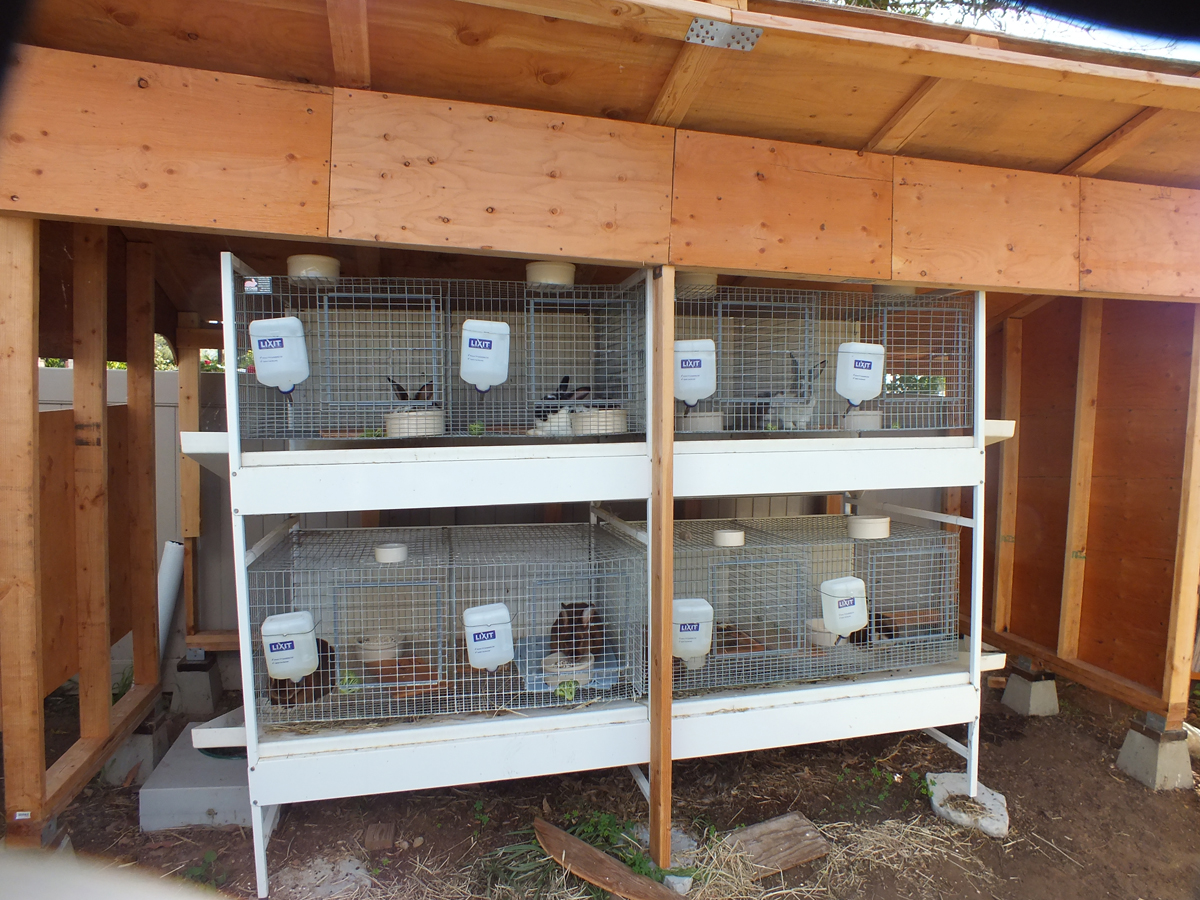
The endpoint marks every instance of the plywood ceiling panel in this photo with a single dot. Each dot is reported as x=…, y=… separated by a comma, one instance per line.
x=994, y=126
x=285, y=39
x=761, y=94
x=1170, y=156
x=458, y=51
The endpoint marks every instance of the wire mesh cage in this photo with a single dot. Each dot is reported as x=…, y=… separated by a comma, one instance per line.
x=391, y=636
x=767, y=613
x=777, y=352
x=385, y=355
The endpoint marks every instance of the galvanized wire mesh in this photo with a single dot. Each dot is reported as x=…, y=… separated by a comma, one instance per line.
x=777, y=359
x=392, y=634
x=384, y=361
x=766, y=602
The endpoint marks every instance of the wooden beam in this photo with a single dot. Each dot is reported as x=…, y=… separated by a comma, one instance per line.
x=20, y=576
x=1020, y=310
x=1006, y=488
x=928, y=98
x=1079, y=506
x=1181, y=625
x=662, y=18
x=690, y=71
x=189, y=469
x=662, y=562
x=87, y=756
x=1117, y=144
x=201, y=337
x=118, y=140
x=216, y=641
x=142, y=497
x=349, y=37
x=1136, y=695
x=91, y=478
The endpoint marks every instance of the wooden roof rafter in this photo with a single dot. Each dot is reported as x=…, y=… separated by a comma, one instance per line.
x=349, y=38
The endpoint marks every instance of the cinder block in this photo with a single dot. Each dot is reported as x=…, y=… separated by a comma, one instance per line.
x=145, y=751
x=1037, y=696
x=198, y=686
x=190, y=788
x=1157, y=759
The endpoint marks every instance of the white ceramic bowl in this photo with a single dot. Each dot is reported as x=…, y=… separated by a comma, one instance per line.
x=414, y=423
x=697, y=422
x=869, y=527
x=378, y=648
x=391, y=553
x=312, y=265
x=864, y=420
x=600, y=421
x=729, y=537
x=550, y=272
x=556, y=669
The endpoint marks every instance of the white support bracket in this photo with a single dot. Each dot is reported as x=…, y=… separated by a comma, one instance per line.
x=943, y=738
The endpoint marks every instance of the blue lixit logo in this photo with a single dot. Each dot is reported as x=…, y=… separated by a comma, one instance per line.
x=283, y=645
x=846, y=601
x=690, y=363
x=685, y=627
x=270, y=343
x=479, y=344
x=862, y=364
x=483, y=636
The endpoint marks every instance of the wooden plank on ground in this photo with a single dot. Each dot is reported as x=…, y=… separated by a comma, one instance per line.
x=745, y=204
x=93, y=137
x=779, y=844
x=662, y=555
x=140, y=467
x=971, y=225
x=1079, y=507
x=430, y=173
x=379, y=836
x=1181, y=626
x=91, y=478
x=596, y=867
x=20, y=574
x=1006, y=513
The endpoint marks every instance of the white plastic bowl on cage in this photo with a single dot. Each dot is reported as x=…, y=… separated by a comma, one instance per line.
x=484, y=358
x=290, y=645
x=694, y=422
x=550, y=271
x=698, y=284
x=599, y=421
x=844, y=605
x=859, y=371
x=489, y=636
x=313, y=265
x=557, y=668
x=691, y=630
x=402, y=423
x=280, y=357
x=695, y=370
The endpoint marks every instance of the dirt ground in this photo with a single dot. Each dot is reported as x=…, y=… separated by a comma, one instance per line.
x=1079, y=827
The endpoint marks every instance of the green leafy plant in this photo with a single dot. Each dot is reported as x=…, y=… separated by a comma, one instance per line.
x=475, y=429
x=206, y=872
x=566, y=690
x=122, y=685
x=480, y=816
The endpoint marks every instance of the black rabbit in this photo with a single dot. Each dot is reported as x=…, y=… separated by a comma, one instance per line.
x=577, y=631
x=312, y=687
x=560, y=399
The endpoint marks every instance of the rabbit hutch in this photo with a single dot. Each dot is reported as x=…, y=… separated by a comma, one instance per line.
x=759, y=251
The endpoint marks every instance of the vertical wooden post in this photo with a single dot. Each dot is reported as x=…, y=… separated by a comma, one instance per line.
x=189, y=469
x=662, y=561
x=143, y=513
x=1075, y=557
x=91, y=478
x=1182, y=622
x=20, y=577
x=1006, y=488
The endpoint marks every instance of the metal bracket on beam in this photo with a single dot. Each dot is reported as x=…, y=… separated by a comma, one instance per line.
x=722, y=35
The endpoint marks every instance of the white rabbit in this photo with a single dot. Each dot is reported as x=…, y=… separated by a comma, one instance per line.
x=557, y=424
x=794, y=412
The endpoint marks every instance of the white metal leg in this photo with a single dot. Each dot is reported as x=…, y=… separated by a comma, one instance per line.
x=973, y=758
x=262, y=820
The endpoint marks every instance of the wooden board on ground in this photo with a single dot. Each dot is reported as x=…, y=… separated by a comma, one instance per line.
x=598, y=868
x=779, y=844
x=380, y=836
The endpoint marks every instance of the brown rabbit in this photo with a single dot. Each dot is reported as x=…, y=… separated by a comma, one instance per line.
x=577, y=631
x=312, y=687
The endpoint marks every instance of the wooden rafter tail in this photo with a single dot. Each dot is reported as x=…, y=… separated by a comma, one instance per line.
x=91, y=478
x=1181, y=625
x=662, y=523
x=690, y=71
x=20, y=574
x=349, y=37
x=1087, y=384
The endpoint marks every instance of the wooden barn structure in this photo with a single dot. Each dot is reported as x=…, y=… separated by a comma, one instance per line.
x=442, y=138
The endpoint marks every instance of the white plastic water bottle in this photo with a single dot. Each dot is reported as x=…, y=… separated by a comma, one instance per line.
x=484, y=358
x=280, y=357
x=695, y=370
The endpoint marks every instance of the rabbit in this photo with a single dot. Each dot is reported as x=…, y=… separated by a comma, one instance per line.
x=577, y=631
x=425, y=394
x=397, y=389
x=557, y=424
x=794, y=412
x=881, y=629
x=312, y=687
x=747, y=415
x=553, y=412
x=727, y=639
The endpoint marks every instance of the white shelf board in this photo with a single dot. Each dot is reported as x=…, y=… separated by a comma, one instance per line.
x=209, y=448
x=753, y=468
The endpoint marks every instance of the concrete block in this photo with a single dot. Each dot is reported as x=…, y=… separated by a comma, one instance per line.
x=189, y=788
x=197, y=686
x=145, y=751
x=1031, y=695
x=1157, y=759
x=987, y=811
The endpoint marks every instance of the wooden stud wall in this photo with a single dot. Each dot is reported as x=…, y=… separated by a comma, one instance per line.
x=1004, y=487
